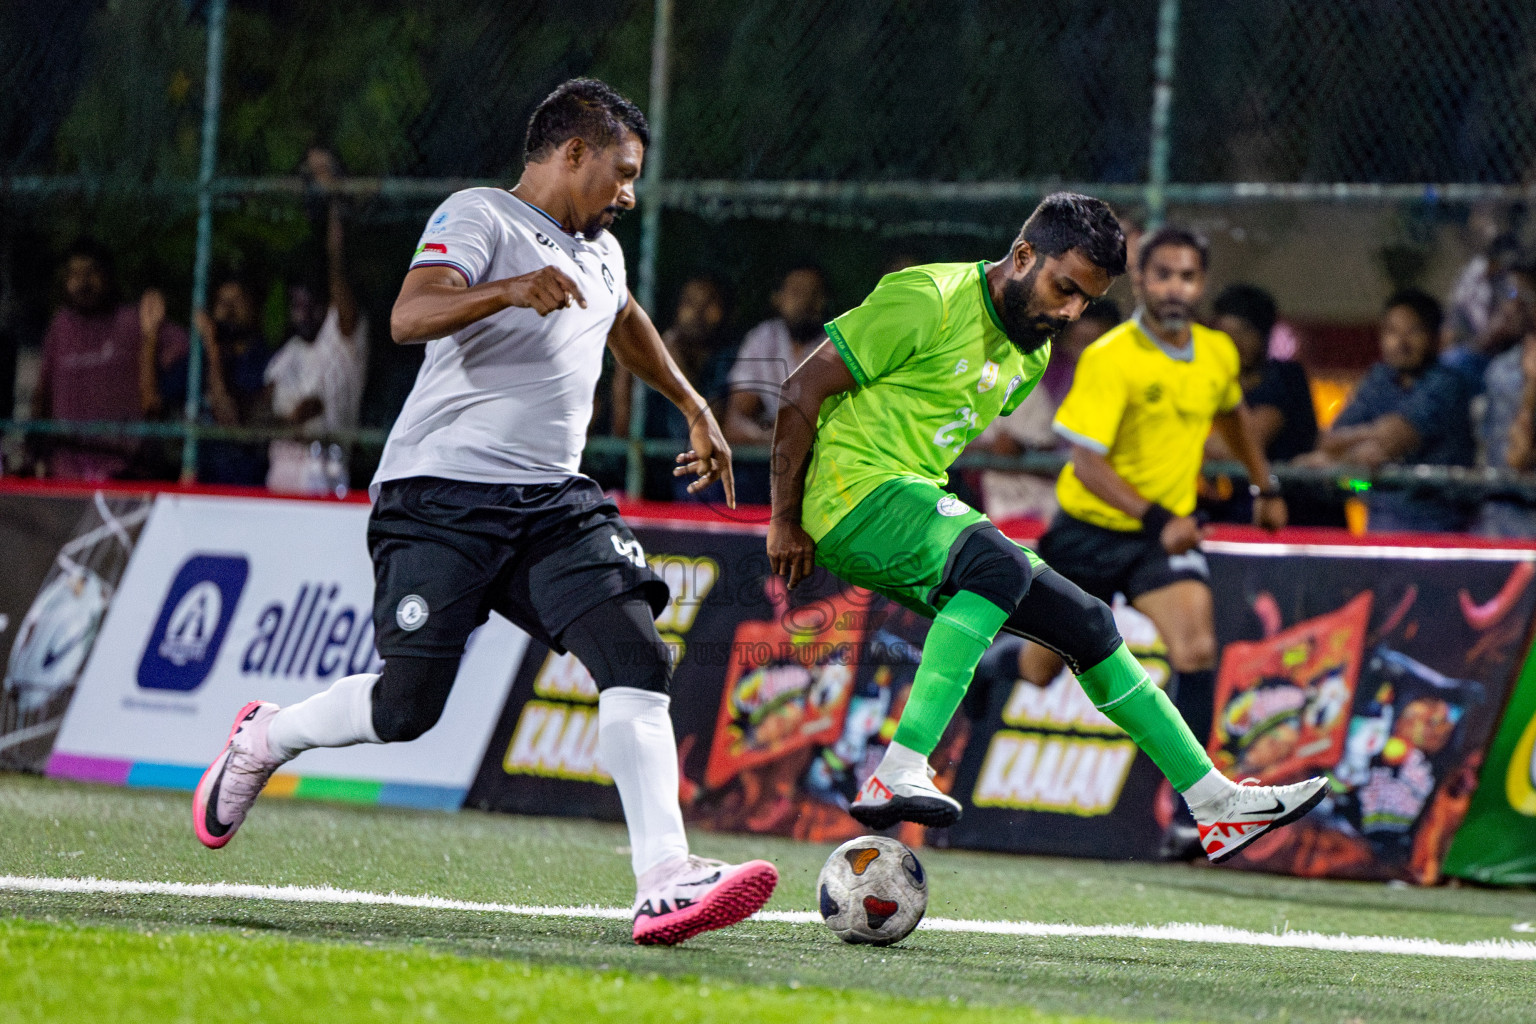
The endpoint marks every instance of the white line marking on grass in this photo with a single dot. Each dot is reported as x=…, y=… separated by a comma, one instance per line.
x=1492, y=949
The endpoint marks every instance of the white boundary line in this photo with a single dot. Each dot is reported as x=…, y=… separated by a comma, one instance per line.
x=1494, y=949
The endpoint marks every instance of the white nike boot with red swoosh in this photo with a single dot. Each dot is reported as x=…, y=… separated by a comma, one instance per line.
x=1246, y=812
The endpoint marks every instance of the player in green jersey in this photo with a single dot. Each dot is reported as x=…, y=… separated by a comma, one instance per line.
x=866, y=431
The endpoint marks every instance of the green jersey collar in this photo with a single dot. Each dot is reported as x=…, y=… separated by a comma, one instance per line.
x=986, y=295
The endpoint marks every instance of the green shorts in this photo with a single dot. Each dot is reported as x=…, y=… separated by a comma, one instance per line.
x=901, y=540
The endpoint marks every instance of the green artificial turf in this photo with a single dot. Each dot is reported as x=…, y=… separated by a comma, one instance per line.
x=69, y=942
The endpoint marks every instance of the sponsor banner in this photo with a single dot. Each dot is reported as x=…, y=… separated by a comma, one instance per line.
x=782, y=704
x=1496, y=844
x=1046, y=772
x=232, y=599
x=1385, y=668
x=63, y=558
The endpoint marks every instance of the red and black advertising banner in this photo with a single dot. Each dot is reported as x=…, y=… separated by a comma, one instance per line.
x=1384, y=666
x=783, y=703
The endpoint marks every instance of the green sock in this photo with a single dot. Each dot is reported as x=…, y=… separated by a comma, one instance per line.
x=1119, y=687
x=961, y=634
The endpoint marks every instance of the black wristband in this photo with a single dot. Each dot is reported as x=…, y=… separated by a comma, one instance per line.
x=1154, y=519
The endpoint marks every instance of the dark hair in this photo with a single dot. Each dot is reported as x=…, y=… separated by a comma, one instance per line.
x=1424, y=305
x=586, y=109
x=1172, y=234
x=1103, y=311
x=89, y=248
x=721, y=287
x=1067, y=220
x=806, y=267
x=1250, y=304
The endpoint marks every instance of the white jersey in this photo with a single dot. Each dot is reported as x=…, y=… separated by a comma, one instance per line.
x=508, y=398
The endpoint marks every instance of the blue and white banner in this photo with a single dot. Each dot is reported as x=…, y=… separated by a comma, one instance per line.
x=228, y=600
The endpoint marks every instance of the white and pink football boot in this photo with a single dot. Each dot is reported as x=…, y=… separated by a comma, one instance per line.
x=231, y=784
x=681, y=898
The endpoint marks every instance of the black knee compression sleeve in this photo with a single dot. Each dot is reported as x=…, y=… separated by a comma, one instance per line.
x=991, y=566
x=409, y=697
x=618, y=643
x=1057, y=614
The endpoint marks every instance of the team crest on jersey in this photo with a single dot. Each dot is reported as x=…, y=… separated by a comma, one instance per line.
x=949, y=505
x=1153, y=393
x=608, y=278
x=544, y=239
x=988, y=378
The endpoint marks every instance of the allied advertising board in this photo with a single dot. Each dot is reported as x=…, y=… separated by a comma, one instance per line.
x=232, y=599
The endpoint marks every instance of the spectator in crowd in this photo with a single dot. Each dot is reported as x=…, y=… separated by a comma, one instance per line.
x=1008, y=495
x=1409, y=409
x=1508, y=428
x=1276, y=391
x=769, y=352
x=697, y=343
x=235, y=362
x=102, y=360
x=1472, y=334
x=316, y=378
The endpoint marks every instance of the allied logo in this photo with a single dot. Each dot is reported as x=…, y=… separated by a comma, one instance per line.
x=988, y=377
x=949, y=505
x=193, y=621
x=411, y=613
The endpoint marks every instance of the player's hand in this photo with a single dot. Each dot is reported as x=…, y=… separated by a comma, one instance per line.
x=709, y=459
x=791, y=552
x=543, y=291
x=151, y=312
x=1270, y=512
x=1183, y=534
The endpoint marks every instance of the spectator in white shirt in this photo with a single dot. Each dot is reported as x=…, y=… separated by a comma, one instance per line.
x=316, y=378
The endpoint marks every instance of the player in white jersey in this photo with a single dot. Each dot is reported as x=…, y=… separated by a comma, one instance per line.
x=479, y=504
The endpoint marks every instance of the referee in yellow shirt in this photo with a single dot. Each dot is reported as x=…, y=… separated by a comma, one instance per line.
x=1143, y=401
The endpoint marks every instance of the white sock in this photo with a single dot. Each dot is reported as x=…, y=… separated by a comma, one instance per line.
x=336, y=717
x=637, y=747
x=1212, y=786
x=904, y=758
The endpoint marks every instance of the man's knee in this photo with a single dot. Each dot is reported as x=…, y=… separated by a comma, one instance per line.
x=410, y=696
x=1192, y=652
x=991, y=566
x=618, y=643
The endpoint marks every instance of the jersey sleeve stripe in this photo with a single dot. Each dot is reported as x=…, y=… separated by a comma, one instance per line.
x=1081, y=439
x=841, y=344
x=468, y=278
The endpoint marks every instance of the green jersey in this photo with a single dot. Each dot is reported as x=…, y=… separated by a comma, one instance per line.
x=933, y=367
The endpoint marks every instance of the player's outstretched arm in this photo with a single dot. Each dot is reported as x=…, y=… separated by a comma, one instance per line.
x=791, y=552
x=434, y=302
x=638, y=347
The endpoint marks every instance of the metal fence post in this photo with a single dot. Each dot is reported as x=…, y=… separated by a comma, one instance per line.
x=1162, y=109
x=212, y=86
x=650, y=232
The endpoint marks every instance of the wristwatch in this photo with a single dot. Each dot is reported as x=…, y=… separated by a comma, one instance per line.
x=1271, y=488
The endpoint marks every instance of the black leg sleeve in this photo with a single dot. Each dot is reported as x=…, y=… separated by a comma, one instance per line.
x=410, y=695
x=618, y=643
x=1058, y=615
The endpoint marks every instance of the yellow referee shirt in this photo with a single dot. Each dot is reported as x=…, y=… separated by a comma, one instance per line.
x=1149, y=413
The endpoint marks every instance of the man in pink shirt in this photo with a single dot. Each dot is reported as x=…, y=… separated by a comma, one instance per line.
x=101, y=361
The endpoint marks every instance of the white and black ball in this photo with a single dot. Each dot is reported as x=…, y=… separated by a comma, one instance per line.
x=872, y=891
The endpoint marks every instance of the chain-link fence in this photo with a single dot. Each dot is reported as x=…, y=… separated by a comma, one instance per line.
x=1331, y=150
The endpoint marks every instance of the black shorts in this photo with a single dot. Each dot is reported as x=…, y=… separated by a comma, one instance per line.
x=1105, y=562
x=447, y=553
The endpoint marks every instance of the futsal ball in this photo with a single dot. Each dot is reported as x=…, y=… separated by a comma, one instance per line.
x=872, y=891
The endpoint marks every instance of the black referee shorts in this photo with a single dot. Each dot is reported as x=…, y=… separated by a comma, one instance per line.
x=1105, y=562
x=447, y=553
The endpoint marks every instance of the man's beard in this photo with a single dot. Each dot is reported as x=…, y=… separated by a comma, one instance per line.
x=805, y=328
x=1170, y=316
x=602, y=222
x=1028, y=331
